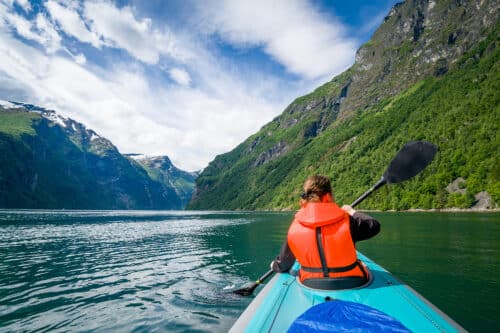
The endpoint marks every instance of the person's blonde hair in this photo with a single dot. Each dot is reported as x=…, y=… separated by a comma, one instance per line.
x=315, y=187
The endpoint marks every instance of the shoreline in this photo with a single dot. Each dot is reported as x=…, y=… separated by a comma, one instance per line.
x=453, y=210
x=412, y=210
x=444, y=210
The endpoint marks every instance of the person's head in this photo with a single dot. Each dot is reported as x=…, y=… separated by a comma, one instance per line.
x=317, y=189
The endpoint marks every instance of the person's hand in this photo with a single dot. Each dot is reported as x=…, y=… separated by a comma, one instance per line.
x=349, y=209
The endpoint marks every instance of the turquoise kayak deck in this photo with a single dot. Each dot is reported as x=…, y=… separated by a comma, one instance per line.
x=284, y=299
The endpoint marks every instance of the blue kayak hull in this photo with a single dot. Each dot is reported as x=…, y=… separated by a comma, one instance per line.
x=284, y=299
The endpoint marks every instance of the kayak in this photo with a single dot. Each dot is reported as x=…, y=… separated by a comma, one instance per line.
x=383, y=304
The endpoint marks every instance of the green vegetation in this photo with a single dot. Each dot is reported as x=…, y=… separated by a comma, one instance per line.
x=47, y=166
x=16, y=123
x=167, y=174
x=458, y=111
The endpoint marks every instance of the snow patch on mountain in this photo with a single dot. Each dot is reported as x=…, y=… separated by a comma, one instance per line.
x=54, y=117
x=94, y=136
x=7, y=104
x=46, y=113
x=137, y=157
x=31, y=107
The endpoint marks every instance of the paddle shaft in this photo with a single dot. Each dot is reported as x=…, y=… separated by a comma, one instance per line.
x=265, y=276
x=365, y=195
x=246, y=291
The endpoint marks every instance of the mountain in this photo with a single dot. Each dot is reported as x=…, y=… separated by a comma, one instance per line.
x=48, y=161
x=430, y=72
x=161, y=169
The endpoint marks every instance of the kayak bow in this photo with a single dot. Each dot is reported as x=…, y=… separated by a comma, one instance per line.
x=284, y=299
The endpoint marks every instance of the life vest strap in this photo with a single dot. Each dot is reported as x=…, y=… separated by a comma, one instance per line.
x=341, y=269
x=321, y=251
x=363, y=270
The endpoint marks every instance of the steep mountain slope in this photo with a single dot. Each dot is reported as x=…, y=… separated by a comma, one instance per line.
x=431, y=71
x=48, y=161
x=161, y=169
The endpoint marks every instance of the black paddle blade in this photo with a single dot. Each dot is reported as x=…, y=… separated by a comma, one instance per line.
x=409, y=161
x=246, y=291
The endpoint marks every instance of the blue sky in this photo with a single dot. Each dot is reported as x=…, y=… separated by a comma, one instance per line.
x=188, y=79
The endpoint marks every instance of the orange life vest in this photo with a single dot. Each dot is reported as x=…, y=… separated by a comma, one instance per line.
x=320, y=238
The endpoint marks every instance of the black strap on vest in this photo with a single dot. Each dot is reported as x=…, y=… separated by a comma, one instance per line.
x=341, y=269
x=324, y=267
x=321, y=252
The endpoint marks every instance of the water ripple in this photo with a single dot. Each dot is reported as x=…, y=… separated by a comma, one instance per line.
x=135, y=271
x=101, y=271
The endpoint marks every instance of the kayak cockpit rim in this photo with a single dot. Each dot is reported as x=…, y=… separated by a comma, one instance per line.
x=367, y=282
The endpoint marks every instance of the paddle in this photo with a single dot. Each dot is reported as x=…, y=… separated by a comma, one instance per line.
x=408, y=162
x=246, y=291
x=414, y=157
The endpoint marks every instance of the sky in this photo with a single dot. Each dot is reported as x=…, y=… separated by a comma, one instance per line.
x=187, y=79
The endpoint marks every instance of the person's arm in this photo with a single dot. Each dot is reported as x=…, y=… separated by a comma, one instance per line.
x=285, y=260
x=362, y=226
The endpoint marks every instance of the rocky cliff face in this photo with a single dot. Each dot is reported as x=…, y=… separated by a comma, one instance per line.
x=417, y=39
x=49, y=161
x=428, y=68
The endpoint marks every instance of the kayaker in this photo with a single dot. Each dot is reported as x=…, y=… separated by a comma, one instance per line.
x=322, y=238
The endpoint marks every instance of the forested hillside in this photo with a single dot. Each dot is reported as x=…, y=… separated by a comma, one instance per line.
x=48, y=161
x=431, y=72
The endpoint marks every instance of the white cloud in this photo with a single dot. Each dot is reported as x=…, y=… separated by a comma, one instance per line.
x=295, y=33
x=80, y=59
x=121, y=29
x=50, y=37
x=40, y=30
x=101, y=23
x=190, y=125
x=70, y=22
x=180, y=76
x=25, y=4
x=215, y=105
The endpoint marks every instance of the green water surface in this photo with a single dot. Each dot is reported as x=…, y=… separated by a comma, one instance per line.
x=143, y=271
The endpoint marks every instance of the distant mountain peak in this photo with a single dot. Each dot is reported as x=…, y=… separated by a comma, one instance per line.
x=57, y=162
x=26, y=106
x=139, y=156
x=78, y=132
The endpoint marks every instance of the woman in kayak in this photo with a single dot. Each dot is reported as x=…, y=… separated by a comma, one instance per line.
x=322, y=238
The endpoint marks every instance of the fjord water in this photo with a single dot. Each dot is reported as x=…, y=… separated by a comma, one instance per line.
x=143, y=271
